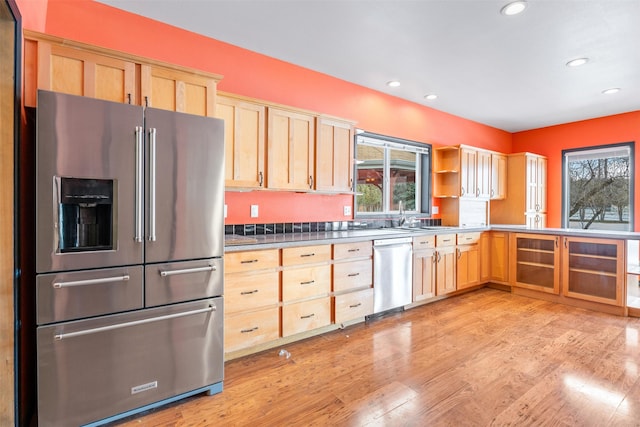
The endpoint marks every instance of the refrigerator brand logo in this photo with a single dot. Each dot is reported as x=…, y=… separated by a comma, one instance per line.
x=144, y=387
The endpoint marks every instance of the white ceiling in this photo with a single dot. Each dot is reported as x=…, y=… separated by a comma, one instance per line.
x=506, y=72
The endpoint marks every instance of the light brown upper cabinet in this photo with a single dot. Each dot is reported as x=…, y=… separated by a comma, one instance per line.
x=245, y=141
x=77, y=72
x=334, y=155
x=498, y=176
x=462, y=171
x=66, y=66
x=175, y=90
x=290, y=144
x=526, y=201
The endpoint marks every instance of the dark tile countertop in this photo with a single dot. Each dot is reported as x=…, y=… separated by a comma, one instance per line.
x=237, y=243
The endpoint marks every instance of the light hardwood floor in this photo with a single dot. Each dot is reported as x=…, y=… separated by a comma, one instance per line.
x=479, y=359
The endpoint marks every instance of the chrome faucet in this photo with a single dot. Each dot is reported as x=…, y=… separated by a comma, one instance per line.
x=403, y=217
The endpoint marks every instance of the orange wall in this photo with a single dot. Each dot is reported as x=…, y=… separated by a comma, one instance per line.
x=550, y=142
x=251, y=74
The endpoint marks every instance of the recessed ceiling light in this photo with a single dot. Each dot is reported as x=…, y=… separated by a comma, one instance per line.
x=611, y=91
x=431, y=96
x=514, y=8
x=393, y=83
x=577, y=62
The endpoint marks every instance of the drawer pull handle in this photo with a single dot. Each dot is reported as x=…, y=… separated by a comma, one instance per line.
x=353, y=274
x=307, y=282
x=308, y=316
x=255, y=291
x=355, y=305
x=248, y=261
x=354, y=250
x=187, y=271
x=62, y=336
x=59, y=285
x=307, y=255
x=246, y=331
x=446, y=240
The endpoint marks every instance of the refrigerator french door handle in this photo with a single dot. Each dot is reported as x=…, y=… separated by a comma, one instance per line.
x=59, y=337
x=139, y=182
x=152, y=184
x=166, y=273
x=59, y=285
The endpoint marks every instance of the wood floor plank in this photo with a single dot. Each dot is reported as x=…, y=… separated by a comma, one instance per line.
x=483, y=358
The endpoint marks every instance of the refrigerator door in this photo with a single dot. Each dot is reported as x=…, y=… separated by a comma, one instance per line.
x=185, y=186
x=86, y=183
x=92, y=369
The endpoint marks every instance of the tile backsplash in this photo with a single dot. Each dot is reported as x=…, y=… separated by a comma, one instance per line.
x=307, y=227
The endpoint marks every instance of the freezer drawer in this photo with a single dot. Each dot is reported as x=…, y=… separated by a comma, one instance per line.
x=172, y=282
x=74, y=295
x=92, y=369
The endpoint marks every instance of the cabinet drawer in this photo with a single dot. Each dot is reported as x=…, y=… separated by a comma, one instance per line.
x=352, y=250
x=354, y=274
x=305, y=255
x=305, y=316
x=424, y=242
x=445, y=240
x=244, y=330
x=468, y=238
x=353, y=305
x=247, y=291
x=306, y=282
x=249, y=261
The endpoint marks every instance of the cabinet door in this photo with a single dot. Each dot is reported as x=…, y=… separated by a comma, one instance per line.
x=498, y=176
x=499, y=250
x=424, y=274
x=532, y=184
x=290, y=139
x=483, y=175
x=77, y=72
x=445, y=270
x=594, y=269
x=541, y=194
x=244, y=140
x=467, y=266
x=485, y=256
x=176, y=90
x=334, y=155
x=536, y=261
x=468, y=185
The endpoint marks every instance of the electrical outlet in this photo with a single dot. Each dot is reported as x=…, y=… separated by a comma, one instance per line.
x=225, y=210
x=254, y=211
x=346, y=210
x=435, y=209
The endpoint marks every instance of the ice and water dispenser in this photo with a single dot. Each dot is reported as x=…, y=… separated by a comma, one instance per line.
x=86, y=214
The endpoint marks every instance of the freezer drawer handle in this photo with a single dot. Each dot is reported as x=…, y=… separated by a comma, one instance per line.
x=60, y=337
x=59, y=285
x=188, y=270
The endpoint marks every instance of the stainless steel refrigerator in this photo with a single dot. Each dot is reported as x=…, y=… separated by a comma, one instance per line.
x=129, y=258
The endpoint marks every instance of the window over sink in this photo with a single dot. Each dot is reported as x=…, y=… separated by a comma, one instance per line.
x=391, y=170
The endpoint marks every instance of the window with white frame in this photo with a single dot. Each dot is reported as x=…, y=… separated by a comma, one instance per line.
x=389, y=171
x=598, y=187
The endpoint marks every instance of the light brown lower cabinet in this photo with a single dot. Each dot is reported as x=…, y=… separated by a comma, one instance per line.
x=305, y=315
x=536, y=262
x=353, y=305
x=248, y=329
x=424, y=267
x=594, y=269
x=499, y=257
x=445, y=264
x=468, y=260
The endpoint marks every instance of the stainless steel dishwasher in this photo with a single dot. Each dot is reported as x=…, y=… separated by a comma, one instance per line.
x=392, y=273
